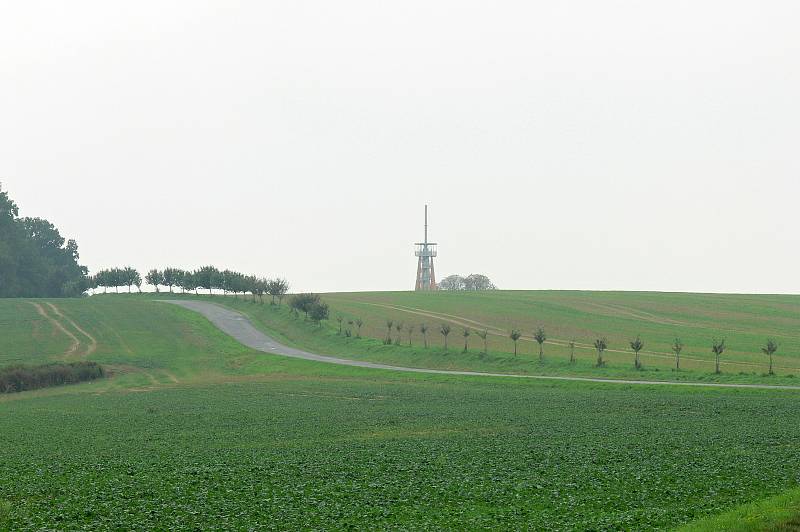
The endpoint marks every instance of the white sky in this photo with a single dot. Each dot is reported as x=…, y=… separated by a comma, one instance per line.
x=572, y=144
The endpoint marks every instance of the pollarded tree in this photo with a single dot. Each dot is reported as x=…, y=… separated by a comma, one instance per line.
x=717, y=347
x=601, y=344
x=515, y=336
x=540, y=337
x=637, y=345
x=445, y=330
x=677, y=347
x=466, y=334
x=399, y=328
x=769, y=350
x=483, y=335
x=423, y=328
x=154, y=278
x=572, y=351
x=389, y=326
x=340, y=319
x=359, y=323
x=410, y=329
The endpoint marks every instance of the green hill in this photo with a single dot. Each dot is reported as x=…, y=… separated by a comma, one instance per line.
x=745, y=322
x=196, y=431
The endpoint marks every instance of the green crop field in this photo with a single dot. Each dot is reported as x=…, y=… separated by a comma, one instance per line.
x=194, y=430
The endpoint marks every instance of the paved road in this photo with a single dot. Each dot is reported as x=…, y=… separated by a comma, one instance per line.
x=239, y=327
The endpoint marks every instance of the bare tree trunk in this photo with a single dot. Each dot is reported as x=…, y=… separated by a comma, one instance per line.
x=541, y=353
x=717, y=363
x=770, y=364
x=515, y=348
x=484, y=346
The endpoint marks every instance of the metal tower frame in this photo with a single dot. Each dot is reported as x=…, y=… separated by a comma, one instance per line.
x=426, y=251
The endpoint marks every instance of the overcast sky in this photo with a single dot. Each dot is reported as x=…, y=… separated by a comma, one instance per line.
x=567, y=145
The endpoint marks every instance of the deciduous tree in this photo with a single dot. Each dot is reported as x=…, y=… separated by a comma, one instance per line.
x=717, y=347
x=540, y=337
x=637, y=345
x=769, y=350
x=600, y=344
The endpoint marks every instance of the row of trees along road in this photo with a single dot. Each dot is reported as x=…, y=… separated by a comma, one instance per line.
x=718, y=346
x=474, y=281
x=205, y=278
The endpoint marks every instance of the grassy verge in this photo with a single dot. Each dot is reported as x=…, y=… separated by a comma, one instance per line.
x=779, y=513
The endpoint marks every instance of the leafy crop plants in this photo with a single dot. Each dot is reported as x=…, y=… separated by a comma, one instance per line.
x=241, y=439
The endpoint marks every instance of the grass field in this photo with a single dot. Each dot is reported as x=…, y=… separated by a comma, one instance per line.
x=745, y=321
x=195, y=430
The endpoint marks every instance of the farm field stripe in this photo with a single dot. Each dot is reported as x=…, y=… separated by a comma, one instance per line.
x=92, y=341
x=73, y=348
x=240, y=328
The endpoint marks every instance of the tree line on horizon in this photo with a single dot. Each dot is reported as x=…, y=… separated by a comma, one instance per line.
x=207, y=278
x=472, y=282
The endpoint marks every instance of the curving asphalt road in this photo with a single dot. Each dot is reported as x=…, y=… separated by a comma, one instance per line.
x=239, y=327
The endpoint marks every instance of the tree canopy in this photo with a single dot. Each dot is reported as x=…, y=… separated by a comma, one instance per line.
x=473, y=281
x=35, y=260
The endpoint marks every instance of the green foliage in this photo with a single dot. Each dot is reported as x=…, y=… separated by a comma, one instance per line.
x=445, y=330
x=636, y=346
x=600, y=345
x=24, y=377
x=515, y=335
x=717, y=347
x=677, y=347
x=35, y=260
x=304, y=302
x=540, y=338
x=319, y=311
x=321, y=447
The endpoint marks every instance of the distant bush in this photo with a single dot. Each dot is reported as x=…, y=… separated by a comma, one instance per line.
x=21, y=378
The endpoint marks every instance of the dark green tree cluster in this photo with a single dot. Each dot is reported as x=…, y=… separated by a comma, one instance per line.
x=35, y=260
x=312, y=306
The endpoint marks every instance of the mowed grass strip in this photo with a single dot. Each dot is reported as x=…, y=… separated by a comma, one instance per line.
x=355, y=448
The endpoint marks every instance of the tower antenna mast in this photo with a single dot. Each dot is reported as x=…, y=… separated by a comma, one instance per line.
x=425, y=251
